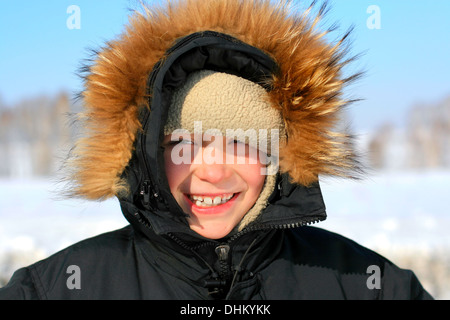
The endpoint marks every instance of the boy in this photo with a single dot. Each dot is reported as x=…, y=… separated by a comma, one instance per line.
x=211, y=121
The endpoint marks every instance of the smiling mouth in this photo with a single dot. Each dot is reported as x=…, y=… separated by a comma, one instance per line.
x=210, y=201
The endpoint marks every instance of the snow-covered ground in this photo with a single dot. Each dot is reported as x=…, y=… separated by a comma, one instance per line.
x=403, y=216
x=391, y=209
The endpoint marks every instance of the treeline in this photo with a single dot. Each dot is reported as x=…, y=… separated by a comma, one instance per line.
x=34, y=134
x=37, y=134
x=422, y=143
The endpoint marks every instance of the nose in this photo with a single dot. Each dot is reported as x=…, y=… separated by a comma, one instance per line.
x=213, y=173
x=213, y=170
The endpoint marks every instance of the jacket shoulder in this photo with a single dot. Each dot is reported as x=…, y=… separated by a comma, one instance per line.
x=50, y=278
x=351, y=262
x=333, y=250
x=20, y=287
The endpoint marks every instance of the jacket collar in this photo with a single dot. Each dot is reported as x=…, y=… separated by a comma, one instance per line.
x=290, y=206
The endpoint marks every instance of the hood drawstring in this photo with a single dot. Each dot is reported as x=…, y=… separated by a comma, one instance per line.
x=239, y=268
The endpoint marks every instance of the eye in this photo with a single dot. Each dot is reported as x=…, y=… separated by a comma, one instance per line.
x=172, y=143
x=236, y=142
x=238, y=147
x=184, y=141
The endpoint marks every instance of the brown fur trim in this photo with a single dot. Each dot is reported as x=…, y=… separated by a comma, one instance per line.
x=307, y=90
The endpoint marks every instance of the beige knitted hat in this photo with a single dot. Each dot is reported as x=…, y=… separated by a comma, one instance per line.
x=234, y=107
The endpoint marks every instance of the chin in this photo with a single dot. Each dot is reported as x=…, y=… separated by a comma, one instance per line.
x=213, y=233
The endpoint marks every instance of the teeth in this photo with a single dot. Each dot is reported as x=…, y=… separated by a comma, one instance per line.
x=203, y=201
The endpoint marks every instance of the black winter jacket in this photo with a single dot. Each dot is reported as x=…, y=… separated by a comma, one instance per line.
x=159, y=257
x=276, y=261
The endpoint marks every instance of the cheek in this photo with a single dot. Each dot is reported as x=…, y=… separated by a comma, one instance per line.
x=254, y=170
x=253, y=177
x=175, y=172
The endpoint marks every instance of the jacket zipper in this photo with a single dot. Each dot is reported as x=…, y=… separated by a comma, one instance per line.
x=222, y=251
x=147, y=183
x=273, y=227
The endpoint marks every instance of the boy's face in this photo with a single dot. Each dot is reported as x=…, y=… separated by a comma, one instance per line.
x=215, y=180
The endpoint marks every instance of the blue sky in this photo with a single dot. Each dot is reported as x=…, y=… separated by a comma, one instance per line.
x=407, y=60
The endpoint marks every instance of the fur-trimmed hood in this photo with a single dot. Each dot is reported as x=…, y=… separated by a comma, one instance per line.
x=305, y=84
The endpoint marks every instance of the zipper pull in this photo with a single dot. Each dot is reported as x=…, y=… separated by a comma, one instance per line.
x=222, y=252
x=145, y=193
